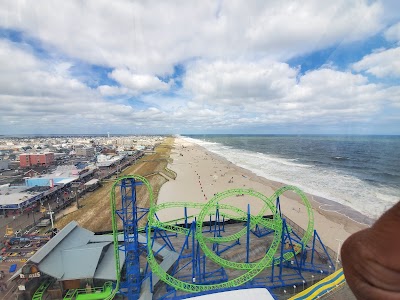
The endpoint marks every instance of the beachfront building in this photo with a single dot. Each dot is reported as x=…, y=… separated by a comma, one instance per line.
x=75, y=258
x=63, y=175
x=38, y=186
x=92, y=184
x=36, y=159
x=108, y=160
x=20, y=197
x=87, y=152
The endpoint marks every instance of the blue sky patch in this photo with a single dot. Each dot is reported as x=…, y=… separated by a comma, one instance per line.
x=24, y=41
x=341, y=55
x=92, y=75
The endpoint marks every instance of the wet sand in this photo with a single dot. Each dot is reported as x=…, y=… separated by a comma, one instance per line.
x=201, y=174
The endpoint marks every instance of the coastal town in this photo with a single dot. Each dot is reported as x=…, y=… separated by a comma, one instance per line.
x=44, y=178
x=56, y=218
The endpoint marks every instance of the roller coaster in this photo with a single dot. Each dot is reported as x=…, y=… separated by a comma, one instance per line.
x=202, y=264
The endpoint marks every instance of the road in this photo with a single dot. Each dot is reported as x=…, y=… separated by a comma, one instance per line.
x=57, y=201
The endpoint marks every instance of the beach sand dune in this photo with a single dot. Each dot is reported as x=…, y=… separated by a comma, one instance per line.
x=201, y=174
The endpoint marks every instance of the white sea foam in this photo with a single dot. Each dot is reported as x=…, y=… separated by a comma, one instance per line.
x=334, y=185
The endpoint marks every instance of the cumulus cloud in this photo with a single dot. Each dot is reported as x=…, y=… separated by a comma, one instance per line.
x=393, y=33
x=232, y=58
x=331, y=95
x=107, y=90
x=23, y=74
x=138, y=82
x=42, y=96
x=381, y=63
x=230, y=81
x=150, y=37
x=300, y=27
x=271, y=92
x=393, y=95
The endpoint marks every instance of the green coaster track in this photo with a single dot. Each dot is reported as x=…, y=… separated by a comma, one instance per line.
x=253, y=269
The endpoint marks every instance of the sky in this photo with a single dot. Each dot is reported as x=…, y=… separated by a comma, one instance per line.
x=180, y=67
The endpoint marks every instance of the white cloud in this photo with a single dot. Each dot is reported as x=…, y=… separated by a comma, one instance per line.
x=393, y=33
x=300, y=27
x=23, y=74
x=38, y=96
x=233, y=56
x=138, y=83
x=393, y=95
x=384, y=63
x=335, y=95
x=271, y=92
x=232, y=82
x=107, y=90
x=150, y=37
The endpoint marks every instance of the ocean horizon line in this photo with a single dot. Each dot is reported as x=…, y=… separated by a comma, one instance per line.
x=286, y=134
x=197, y=134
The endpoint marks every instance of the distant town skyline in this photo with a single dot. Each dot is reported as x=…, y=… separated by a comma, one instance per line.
x=135, y=67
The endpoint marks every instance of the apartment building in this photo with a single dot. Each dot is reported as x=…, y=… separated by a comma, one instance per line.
x=36, y=159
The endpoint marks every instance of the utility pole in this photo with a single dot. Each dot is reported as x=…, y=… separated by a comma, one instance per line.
x=76, y=197
x=76, y=185
x=119, y=169
x=337, y=253
x=50, y=212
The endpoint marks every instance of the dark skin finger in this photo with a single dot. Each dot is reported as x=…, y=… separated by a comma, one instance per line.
x=371, y=259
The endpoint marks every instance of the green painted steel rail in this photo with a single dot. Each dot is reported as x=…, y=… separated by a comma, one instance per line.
x=41, y=289
x=70, y=295
x=90, y=294
x=253, y=269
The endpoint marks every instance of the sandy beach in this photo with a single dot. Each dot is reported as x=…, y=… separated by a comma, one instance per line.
x=201, y=174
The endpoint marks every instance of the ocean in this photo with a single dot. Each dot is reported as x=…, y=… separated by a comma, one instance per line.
x=361, y=173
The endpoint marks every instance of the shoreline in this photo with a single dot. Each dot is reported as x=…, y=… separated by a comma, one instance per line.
x=334, y=207
x=201, y=174
x=319, y=201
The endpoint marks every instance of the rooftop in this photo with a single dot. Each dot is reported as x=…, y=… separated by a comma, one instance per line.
x=16, y=195
x=74, y=253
